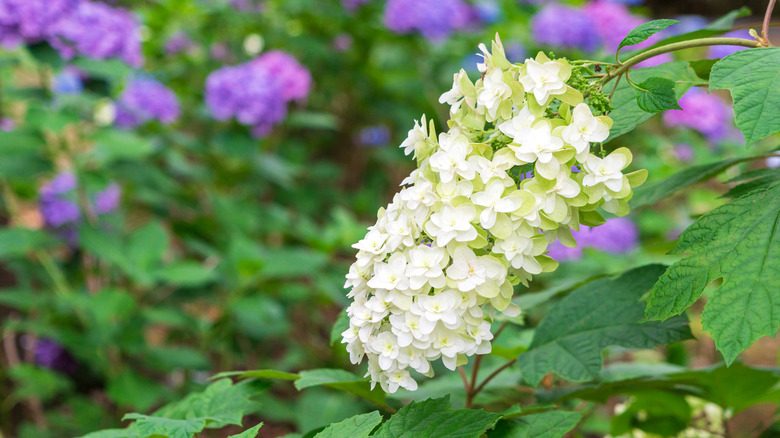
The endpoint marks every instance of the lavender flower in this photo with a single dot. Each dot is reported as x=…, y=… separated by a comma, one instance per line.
x=55, y=206
x=561, y=253
x=52, y=355
x=351, y=5
x=703, y=112
x=30, y=21
x=68, y=81
x=98, y=31
x=683, y=152
x=144, y=100
x=6, y=124
x=342, y=42
x=177, y=43
x=616, y=236
x=294, y=77
x=247, y=5
x=107, y=200
x=433, y=19
x=566, y=27
x=724, y=51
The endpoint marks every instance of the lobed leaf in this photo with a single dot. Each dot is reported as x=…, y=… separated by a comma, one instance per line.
x=359, y=426
x=570, y=339
x=738, y=242
x=753, y=79
x=656, y=94
x=551, y=424
x=434, y=418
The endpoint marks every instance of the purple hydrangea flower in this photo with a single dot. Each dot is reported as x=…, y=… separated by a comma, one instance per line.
x=342, y=42
x=703, y=112
x=247, y=5
x=52, y=355
x=98, y=31
x=144, y=100
x=566, y=27
x=612, y=23
x=683, y=152
x=55, y=206
x=294, y=77
x=488, y=11
x=178, y=42
x=68, y=81
x=374, y=136
x=616, y=236
x=724, y=51
x=30, y=21
x=107, y=200
x=6, y=124
x=433, y=19
x=515, y=51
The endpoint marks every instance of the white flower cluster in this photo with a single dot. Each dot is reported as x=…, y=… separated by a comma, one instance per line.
x=513, y=174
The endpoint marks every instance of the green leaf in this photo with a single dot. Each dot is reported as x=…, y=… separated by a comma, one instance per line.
x=220, y=404
x=656, y=94
x=703, y=67
x=551, y=424
x=359, y=426
x=569, y=340
x=649, y=194
x=738, y=242
x=753, y=78
x=186, y=274
x=341, y=325
x=146, y=426
x=17, y=241
x=292, y=262
x=754, y=180
x=259, y=374
x=112, y=69
x=341, y=380
x=434, y=418
x=112, y=145
x=131, y=390
x=249, y=433
x=717, y=27
x=627, y=114
x=111, y=433
x=645, y=31
x=34, y=382
x=313, y=120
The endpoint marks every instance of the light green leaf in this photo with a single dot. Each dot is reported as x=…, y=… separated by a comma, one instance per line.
x=434, y=418
x=656, y=94
x=249, y=433
x=649, y=194
x=341, y=380
x=627, y=114
x=111, y=69
x=570, y=339
x=645, y=31
x=341, y=325
x=147, y=426
x=551, y=424
x=112, y=145
x=740, y=243
x=220, y=404
x=359, y=426
x=33, y=382
x=17, y=242
x=111, y=433
x=259, y=374
x=186, y=274
x=753, y=78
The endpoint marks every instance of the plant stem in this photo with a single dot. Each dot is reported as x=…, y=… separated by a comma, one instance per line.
x=493, y=375
x=700, y=42
x=767, y=19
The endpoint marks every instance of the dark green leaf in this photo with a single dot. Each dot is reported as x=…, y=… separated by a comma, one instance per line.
x=570, y=339
x=753, y=78
x=739, y=242
x=341, y=380
x=649, y=194
x=112, y=145
x=434, y=418
x=220, y=404
x=645, y=31
x=656, y=94
x=627, y=114
x=749, y=181
x=551, y=424
x=359, y=426
x=341, y=325
x=259, y=374
x=703, y=67
x=186, y=274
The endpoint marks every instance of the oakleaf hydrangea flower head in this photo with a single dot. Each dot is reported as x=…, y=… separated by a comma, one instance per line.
x=433, y=19
x=98, y=31
x=703, y=112
x=565, y=27
x=144, y=100
x=471, y=221
x=256, y=93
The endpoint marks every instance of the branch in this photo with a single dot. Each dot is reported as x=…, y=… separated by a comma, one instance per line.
x=767, y=19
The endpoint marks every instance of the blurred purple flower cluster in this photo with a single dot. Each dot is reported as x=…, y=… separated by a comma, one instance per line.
x=351, y=5
x=73, y=27
x=52, y=355
x=60, y=211
x=433, y=19
x=256, y=93
x=703, y=112
x=144, y=100
x=617, y=236
x=598, y=24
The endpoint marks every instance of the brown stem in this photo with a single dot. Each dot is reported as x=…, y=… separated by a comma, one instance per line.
x=492, y=376
x=767, y=19
x=475, y=371
x=466, y=386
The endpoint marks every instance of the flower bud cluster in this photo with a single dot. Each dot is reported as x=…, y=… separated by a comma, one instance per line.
x=475, y=218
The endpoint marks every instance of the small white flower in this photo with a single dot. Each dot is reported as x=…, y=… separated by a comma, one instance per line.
x=385, y=345
x=454, y=97
x=452, y=223
x=493, y=201
x=514, y=126
x=373, y=243
x=543, y=80
x=450, y=159
x=606, y=170
x=426, y=266
x=416, y=137
x=537, y=144
x=493, y=92
x=584, y=129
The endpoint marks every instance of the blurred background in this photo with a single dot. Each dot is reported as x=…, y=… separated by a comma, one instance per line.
x=182, y=181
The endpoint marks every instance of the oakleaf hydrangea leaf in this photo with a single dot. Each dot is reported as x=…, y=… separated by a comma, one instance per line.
x=645, y=31
x=359, y=426
x=434, y=418
x=605, y=312
x=552, y=424
x=753, y=78
x=656, y=94
x=740, y=243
